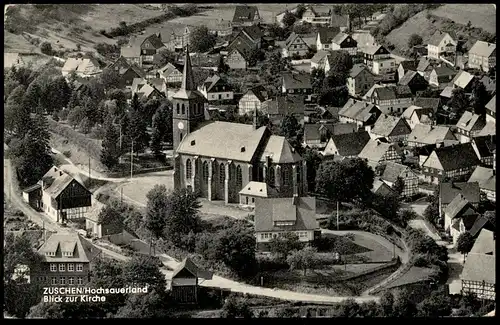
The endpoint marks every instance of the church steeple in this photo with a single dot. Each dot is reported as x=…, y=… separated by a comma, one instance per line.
x=187, y=75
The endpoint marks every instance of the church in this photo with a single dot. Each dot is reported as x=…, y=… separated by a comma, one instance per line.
x=217, y=159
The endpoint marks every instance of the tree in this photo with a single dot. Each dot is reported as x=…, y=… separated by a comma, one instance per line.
x=414, y=40
x=47, y=311
x=458, y=101
x=32, y=97
x=340, y=66
x=388, y=206
x=85, y=125
x=289, y=127
x=255, y=56
x=277, y=32
x=17, y=120
x=236, y=308
x=149, y=109
x=299, y=11
x=110, y=78
x=110, y=151
x=222, y=66
x=163, y=57
x=431, y=212
x=480, y=98
x=438, y=304
x=111, y=216
x=288, y=19
x=346, y=180
x=149, y=305
x=46, y=48
x=201, y=40
x=302, y=259
x=75, y=116
x=465, y=242
x=313, y=160
x=317, y=79
x=386, y=302
x=182, y=211
x=143, y=270
x=403, y=305
x=16, y=96
x=137, y=131
x=156, y=210
x=108, y=274
x=282, y=246
x=399, y=185
x=60, y=93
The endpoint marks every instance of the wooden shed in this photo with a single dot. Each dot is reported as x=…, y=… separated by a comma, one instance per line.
x=184, y=283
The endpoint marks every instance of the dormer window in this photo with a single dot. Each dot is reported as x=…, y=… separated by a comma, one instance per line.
x=284, y=223
x=67, y=254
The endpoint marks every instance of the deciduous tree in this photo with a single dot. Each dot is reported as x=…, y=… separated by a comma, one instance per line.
x=143, y=270
x=110, y=151
x=201, y=40
x=465, y=242
x=414, y=40
x=399, y=185
x=182, y=211
x=302, y=259
x=480, y=98
x=282, y=246
x=288, y=19
x=148, y=305
x=155, y=219
x=236, y=308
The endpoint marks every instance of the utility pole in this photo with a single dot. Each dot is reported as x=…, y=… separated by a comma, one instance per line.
x=121, y=194
x=337, y=215
x=90, y=176
x=131, y=159
x=120, y=157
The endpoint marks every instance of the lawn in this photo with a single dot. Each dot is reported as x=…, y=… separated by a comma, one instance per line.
x=137, y=189
x=480, y=15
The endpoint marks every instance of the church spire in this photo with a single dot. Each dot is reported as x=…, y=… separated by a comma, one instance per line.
x=187, y=75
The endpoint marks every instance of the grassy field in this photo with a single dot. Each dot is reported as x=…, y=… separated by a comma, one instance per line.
x=480, y=15
x=137, y=190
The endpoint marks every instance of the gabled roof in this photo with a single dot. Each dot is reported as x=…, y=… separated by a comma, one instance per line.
x=347, y=144
x=409, y=65
x=297, y=81
x=326, y=34
x=375, y=150
x=284, y=105
x=381, y=188
x=392, y=92
x=463, y=79
x=407, y=114
x=188, y=265
x=211, y=81
x=130, y=51
x=492, y=104
x=259, y=189
x=489, y=128
x=445, y=71
x=254, y=32
x=170, y=68
x=339, y=38
x=241, y=46
x=457, y=206
x=320, y=55
x=447, y=92
x=292, y=38
x=430, y=134
x=485, y=177
x=482, y=48
x=373, y=49
x=83, y=251
x=423, y=64
x=154, y=40
x=388, y=125
x=485, y=145
x=489, y=84
x=485, y=242
x=448, y=191
x=357, y=69
x=55, y=181
x=438, y=36
x=244, y=14
x=427, y=102
x=280, y=151
x=283, y=209
x=260, y=92
x=408, y=77
x=358, y=110
x=456, y=156
x=393, y=170
x=479, y=267
x=468, y=121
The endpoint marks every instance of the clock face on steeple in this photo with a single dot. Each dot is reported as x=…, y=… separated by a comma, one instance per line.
x=180, y=125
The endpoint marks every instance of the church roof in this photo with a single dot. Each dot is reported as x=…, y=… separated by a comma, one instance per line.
x=280, y=151
x=188, y=87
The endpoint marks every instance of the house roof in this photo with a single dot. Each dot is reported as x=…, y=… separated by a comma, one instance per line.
x=456, y=156
x=445, y=71
x=392, y=171
x=438, y=36
x=485, y=177
x=381, y=188
x=373, y=49
x=408, y=77
x=463, y=79
x=244, y=14
x=392, y=92
x=423, y=64
x=375, y=150
x=447, y=92
x=83, y=251
x=388, y=125
x=448, y=191
x=468, y=121
x=357, y=69
x=409, y=65
x=370, y=91
x=155, y=41
x=187, y=264
x=485, y=145
x=259, y=189
x=339, y=38
x=254, y=32
x=479, y=267
x=358, y=110
x=170, y=68
x=223, y=140
x=348, y=144
x=492, y=104
x=482, y=48
x=241, y=44
x=130, y=51
x=457, y=206
x=293, y=36
x=341, y=128
x=489, y=128
x=32, y=188
x=282, y=105
x=260, y=92
x=326, y=34
x=485, y=242
x=429, y=134
x=283, y=209
x=320, y=55
x=280, y=151
x=211, y=81
x=11, y=59
x=489, y=84
x=297, y=80
x=55, y=181
x=414, y=109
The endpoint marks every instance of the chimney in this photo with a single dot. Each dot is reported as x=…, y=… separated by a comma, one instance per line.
x=60, y=173
x=55, y=169
x=348, y=24
x=295, y=200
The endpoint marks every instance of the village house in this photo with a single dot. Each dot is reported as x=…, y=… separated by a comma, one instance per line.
x=324, y=37
x=274, y=217
x=345, y=42
x=347, y=145
x=433, y=104
x=463, y=80
x=215, y=88
x=459, y=217
x=375, y=53
x=469, y=125
x=391, y=128
x=238, y=55
x=380, y=62
x=478, y=276
x=442, y=76
x=449, y=190
x=423, y=134
x=149, y=47
x=394, y=170
x=252, y=100
x=489, y=129
x=84, y=68
x=295, y=46
x=96, y=227
x=441, y=44
x=489, y=84
x=148, y=89
x=362, y=113
x=246, y=16
x=485, y=147
x=425, y=66
x=126, y=73
x=277, y=108
x=414, y=81
x=377, y=152
x=451, y=162
x=406, y=66
x=491, y=110
x=320, y=60
x=483, y=231
x=185, y=281
x=381, y=188
x=360, y=80
x=317, y=135
x=415, y=115
x=391, y=99
x=222, y=28
x=132, y=54
x=486, y=178
x=171, y=73
x=317, y=16
x=482, y=56
x=251, y=36
x=253, y=190
x=296, y=83
x=67, y=260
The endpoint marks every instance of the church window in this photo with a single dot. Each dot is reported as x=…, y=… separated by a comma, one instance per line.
x=239, y=177
x=183, y=109
x=286, y=176
x=188, y=168
x=272, y=176
x=298, y=172
x=205, y=171
x=222, y=173
x=178, y=109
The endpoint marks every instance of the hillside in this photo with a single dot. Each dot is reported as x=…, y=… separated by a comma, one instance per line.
x=426, y=23
x=480, y=15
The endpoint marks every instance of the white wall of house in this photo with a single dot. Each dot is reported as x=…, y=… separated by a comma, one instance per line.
x=265, y=237
x=490, y=118
x=93, y=227
x=248, y=103
x=235, y=61
x=384, y=66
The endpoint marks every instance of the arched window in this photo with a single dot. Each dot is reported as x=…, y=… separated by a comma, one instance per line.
x=298, y=172
x=183, y=109
x=222, y=174
x=195, y=108
x=205, y=171
x=286, y=175
x=272, y=176
x=189, y=171
x=178, y=108
x=239, y=178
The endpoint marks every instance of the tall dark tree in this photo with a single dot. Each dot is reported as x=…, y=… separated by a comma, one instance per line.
x=464, y=243
x=32, y=97
x=60, y=93
x=235, y=247
x=289, y=19
x=143, y=270
x=150, y=305
x=155, y=219
x=317, y=79
x=480, y=98
x=16, y=96
x=182, y=211
x=222, y=67
x=110, y=78
x=313, y=160
x=138, y=126
x=399, y=185
x=458, y=102
x=110, y=152
x=201, y=40
x=108, y=274
x=413, y=40
x=17, y=120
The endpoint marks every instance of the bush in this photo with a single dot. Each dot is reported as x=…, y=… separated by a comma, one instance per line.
x=67, y=153
x=46, y=48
